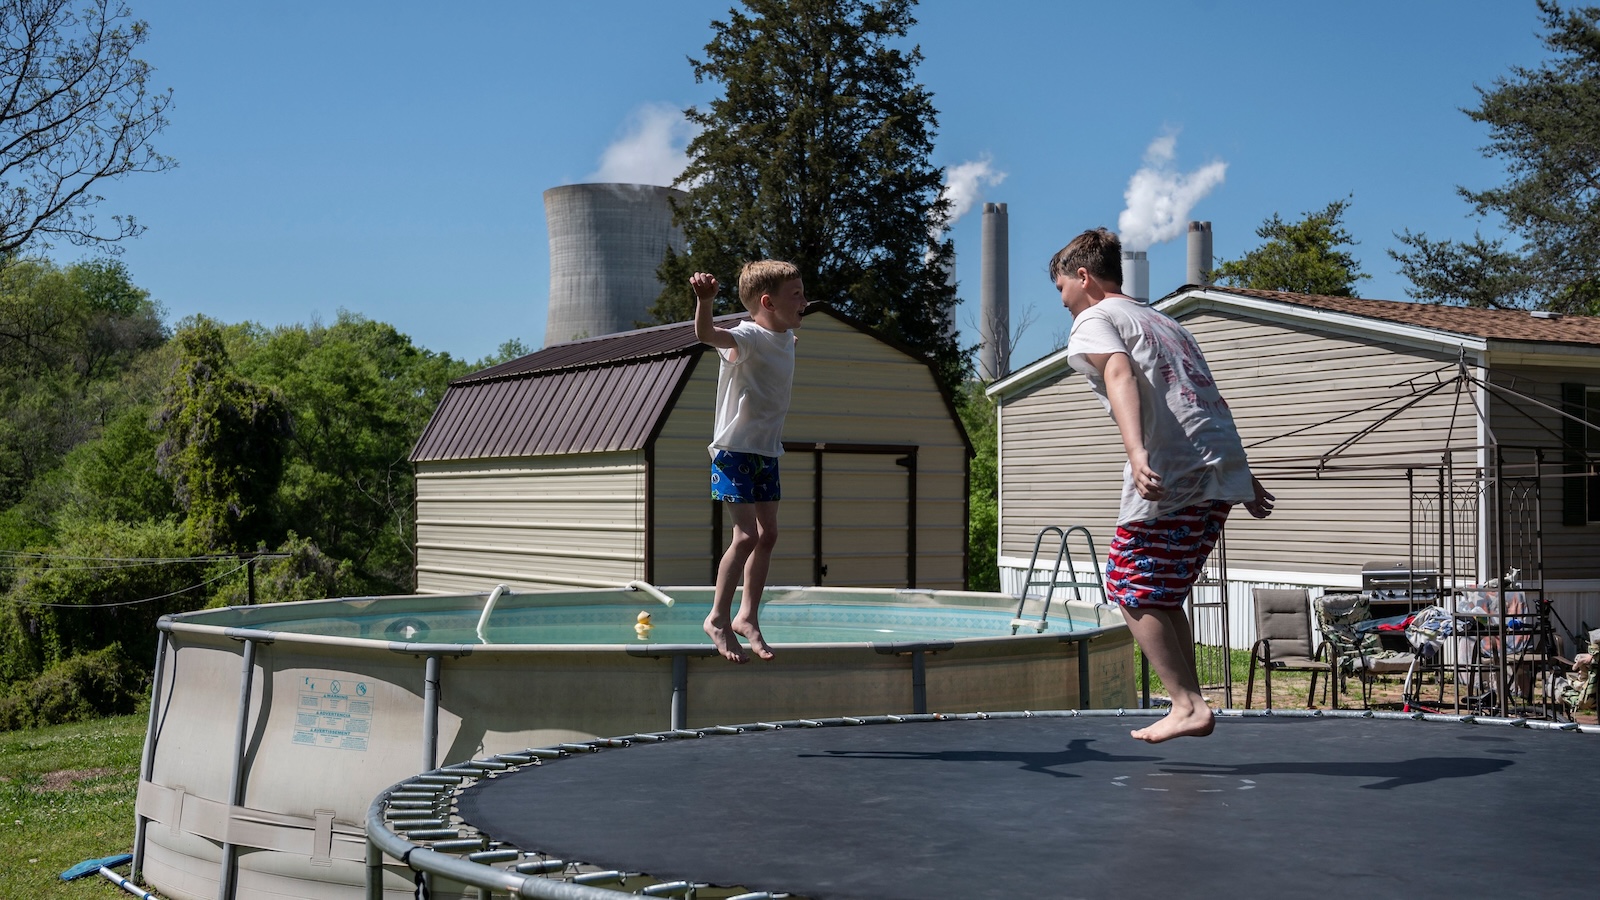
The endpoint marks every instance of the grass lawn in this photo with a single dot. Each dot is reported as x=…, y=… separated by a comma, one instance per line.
x=66, y=795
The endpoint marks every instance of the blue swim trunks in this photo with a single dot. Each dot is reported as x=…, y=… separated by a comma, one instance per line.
x=744, y=477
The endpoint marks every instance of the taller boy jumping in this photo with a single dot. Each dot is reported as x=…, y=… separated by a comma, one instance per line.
x=1186, y=465
x=753, y=385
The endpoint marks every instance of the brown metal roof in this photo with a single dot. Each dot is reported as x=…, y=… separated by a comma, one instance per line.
x=556, y=400
x=598, y=394
x=1495, y=324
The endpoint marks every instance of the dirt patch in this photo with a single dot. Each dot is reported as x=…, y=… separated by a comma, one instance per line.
x=64, y=779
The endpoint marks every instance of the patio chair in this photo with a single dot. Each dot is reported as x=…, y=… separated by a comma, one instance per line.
x=1283, y=642
x=1355, y=648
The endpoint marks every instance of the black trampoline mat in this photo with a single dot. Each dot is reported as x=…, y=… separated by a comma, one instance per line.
x=1074, y=807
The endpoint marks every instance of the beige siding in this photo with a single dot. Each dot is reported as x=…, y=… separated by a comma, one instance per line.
x=849, y=388
x=1519, y=427
x=683, y=540
x=1061, y=457
x=556, y=521
x=852, y=388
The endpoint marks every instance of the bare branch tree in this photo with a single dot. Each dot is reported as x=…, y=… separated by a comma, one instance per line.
x=74, y=109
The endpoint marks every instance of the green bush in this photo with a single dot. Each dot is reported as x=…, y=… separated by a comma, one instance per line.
x=78, y=689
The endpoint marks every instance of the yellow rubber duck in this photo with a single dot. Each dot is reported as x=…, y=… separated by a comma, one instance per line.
x=643, y=626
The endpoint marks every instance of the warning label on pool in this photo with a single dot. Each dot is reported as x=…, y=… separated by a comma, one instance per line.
x=333, y=713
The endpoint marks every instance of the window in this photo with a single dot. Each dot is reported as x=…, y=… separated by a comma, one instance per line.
x=1580, y=455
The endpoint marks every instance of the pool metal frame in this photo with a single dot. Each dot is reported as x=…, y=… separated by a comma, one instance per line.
x=413, y=821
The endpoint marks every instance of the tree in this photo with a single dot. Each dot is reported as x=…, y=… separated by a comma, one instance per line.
x=66, y=337
x=1545, y=124
x=74, y=109
x=817, y=153
x=222, y=445
x=1300, y=257
x=358, y=394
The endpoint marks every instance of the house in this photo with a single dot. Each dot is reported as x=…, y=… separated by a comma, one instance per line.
x=585, y=465
x=1386, y=429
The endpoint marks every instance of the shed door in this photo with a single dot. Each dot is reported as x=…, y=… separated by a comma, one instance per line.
x=864, y=496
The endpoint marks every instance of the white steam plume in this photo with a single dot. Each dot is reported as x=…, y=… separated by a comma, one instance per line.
x=650, y=151
x=964, y=183
x=1159, y=197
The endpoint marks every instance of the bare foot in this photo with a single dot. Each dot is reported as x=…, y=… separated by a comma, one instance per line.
x=752, y=633
x=1198, y=723
x=727, y=643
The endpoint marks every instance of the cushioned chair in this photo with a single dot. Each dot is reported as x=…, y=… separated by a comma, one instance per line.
x=1284, y=642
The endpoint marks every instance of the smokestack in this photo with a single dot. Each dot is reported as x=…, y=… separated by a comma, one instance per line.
x=994, y=357
x=1136, y=275
x=1199, y=270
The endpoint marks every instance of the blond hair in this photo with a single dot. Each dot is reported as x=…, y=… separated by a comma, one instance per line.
x=764, y=276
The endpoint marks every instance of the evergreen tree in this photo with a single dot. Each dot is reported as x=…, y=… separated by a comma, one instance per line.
x=1299, y=257
x=818, y=153
x=1545, y=124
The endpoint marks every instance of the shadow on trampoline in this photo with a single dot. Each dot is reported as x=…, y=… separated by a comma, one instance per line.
x=1397, y=773
x=1043, y=762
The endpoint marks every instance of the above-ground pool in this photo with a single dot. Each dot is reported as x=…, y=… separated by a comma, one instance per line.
x=273, y=727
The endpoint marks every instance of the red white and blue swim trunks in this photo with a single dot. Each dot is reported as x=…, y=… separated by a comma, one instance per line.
x=1154, y=563
x=744, y=477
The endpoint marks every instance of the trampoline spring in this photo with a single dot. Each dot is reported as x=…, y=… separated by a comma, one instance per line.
x=684, y=733
x=669, y=889
x=849, y=720
x=578, y=748
x=768, y=726
x=646, y=738
x=433, y=834
x=488, y=765
x=809, y=723
x=546, y=753
x=412, y=815
x=412, y=804
x=459, y=845
x=402, y=796
x=439, y=778
x=605, y=877
x=722, y=729
x=540, y=867
x=754, y=895
x=515, y=759
x=895, y=719
x=494, y=856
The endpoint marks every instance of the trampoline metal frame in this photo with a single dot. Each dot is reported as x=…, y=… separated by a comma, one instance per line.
x=410, y=821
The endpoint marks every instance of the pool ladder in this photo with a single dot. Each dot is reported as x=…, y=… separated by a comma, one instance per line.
x=1055, y=580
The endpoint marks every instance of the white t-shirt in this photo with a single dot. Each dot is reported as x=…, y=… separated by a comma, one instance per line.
x=1188, y=430
x=753, y=386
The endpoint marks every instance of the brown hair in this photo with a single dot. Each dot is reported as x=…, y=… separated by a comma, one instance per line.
x=764, y=276
x=1098, y=250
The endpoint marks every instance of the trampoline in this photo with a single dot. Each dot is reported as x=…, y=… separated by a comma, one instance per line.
x=1061, y=804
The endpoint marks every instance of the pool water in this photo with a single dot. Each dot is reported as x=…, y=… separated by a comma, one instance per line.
x=793, y=623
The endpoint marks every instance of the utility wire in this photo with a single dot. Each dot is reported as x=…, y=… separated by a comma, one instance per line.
x=133, y=602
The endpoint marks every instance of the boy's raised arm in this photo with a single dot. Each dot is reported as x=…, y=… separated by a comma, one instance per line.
x=705, y=293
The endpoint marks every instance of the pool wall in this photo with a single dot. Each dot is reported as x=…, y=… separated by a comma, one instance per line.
x=269, y=802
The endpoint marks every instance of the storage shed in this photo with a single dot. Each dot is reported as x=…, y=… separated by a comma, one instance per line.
x=585, y=464
x=1345, y=405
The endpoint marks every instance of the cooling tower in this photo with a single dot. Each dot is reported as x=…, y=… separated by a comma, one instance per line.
x=606, y=241
x=1136, y=275
x=994, y=315
x=1199, y=268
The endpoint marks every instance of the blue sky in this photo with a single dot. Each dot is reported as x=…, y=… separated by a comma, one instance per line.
x=389, y=158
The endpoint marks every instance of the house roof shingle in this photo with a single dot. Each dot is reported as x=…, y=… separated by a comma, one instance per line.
x=1493, y=324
